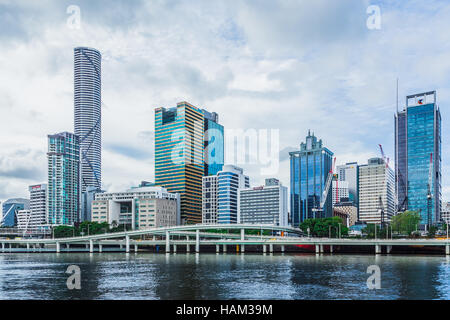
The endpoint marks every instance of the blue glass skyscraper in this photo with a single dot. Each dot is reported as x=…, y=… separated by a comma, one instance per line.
x=213, y=142
x=230, y=180
x=63, y=179
x=309, y=171
x=417, y=139
x=10, y=209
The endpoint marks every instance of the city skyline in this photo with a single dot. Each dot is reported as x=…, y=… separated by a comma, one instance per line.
x=130, y=100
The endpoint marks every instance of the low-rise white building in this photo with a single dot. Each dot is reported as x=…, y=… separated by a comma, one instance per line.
x=142, y=207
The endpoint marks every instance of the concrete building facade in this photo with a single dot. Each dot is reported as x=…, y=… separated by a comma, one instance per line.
x=376, y=179
x=137, y=208
x=266, y=204
x=220, y=194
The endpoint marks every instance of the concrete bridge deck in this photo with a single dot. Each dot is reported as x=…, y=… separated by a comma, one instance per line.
x=172, y=238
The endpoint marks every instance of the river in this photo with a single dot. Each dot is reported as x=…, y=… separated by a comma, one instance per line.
x=222, y=276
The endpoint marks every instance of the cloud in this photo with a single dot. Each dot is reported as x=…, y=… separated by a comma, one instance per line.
x=129, y=151
x=287, y=65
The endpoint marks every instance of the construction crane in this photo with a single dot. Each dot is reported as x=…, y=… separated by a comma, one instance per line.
x=386, y=160
x=324, y=195
x=429, y=193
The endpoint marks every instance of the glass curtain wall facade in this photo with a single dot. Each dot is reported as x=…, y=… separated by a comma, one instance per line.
x=230, y=180
x=179, y=151
x=63, y=179
x=10, y=209
x=418, y=138
x=309, y=170
x=213, y=144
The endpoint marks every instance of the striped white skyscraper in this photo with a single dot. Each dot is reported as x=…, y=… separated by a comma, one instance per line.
x=87, y=88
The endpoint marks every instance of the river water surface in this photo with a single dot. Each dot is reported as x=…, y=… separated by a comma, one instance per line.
x=222, y=276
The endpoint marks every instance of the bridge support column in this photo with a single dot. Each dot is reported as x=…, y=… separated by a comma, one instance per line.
x=317, y=248
x=174, y=248
x=224, y=248
x=447, y=249
x=270, y=248
x=321, y=248
x=197, y=240
x=282, y=248
x=377, y=249
x=3, y=247
x=264, y=248
x=67, y=246
x=242, y=234
x=217, y=248
x=167, y=242
x=135, y=248
x=331, y=248
x=100, y=248
x=127, y=243
x=388, y=249
x=188, y=246
x=58, y=247
x=243, y=248
x=28, y=247
x=91, y=246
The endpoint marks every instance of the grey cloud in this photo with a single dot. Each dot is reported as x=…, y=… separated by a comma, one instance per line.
x=284, y=153
x=130, y=151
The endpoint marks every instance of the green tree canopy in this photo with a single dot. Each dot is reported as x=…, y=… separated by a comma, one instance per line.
x=406, y=222
x=322, y=227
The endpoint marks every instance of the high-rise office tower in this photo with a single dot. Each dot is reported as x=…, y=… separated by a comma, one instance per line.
x=340, y=191
x=309, y=171
x=220, y=194
x=376, y=180
x=180, y=156
x=38, y=204
x=417, y=140
x=63, y=156
x=266, y=204
x=88, y=115
x=349, y=173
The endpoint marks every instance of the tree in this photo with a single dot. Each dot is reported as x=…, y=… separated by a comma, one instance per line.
x=406, y=222
x=63, y=231
x=321, y=227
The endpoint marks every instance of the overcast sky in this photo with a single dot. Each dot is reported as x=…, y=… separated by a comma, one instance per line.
x=287, y=65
